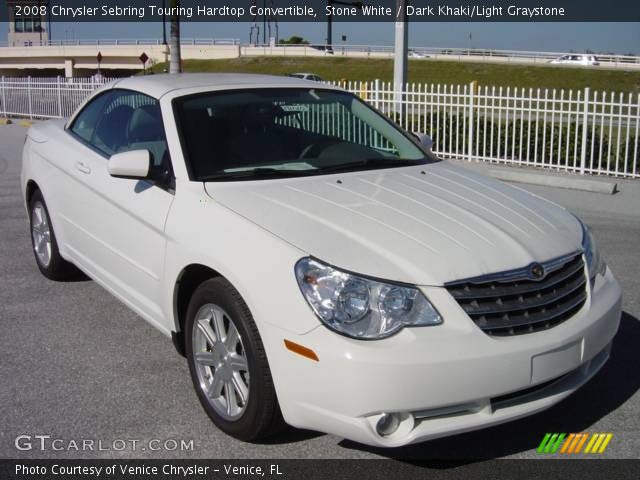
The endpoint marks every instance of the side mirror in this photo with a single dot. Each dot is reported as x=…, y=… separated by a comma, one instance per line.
x=134, y=164
x=425, y=140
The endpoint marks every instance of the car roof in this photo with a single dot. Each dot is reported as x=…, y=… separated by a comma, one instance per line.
x=159, y=85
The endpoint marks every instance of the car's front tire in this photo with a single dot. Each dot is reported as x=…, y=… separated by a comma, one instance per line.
x=228, y=363
x=44, y=243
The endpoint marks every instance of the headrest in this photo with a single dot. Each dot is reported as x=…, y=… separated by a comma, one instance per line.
x=146, y=124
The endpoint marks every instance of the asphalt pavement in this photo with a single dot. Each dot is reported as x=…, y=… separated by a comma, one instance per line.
x=77, y=365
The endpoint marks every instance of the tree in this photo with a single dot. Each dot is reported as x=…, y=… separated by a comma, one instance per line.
x=294, y=40
x=175, y=63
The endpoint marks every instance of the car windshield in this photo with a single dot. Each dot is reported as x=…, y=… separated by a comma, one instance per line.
x=268, y=133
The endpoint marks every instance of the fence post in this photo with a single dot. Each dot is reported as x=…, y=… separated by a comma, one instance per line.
x=29, y=96
x=4, y=99
x=59, y=89
x=472, y=86
x=376, y=95
x=585, y=120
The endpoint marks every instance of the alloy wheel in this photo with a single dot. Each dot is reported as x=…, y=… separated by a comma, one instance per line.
x=220, y=362
x=41, y=234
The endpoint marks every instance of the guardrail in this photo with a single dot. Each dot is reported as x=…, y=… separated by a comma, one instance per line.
x=129, y=41
x=580, y=131
x=436, y=53
x=515, y=56
x=439, y=52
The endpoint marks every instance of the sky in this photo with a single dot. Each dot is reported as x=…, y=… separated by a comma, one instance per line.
x=554, y=37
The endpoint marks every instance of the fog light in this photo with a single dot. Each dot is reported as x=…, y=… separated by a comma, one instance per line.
x=387, y=424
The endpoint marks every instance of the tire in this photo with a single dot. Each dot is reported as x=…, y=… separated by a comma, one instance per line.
x=223, y=372
x=44, y=243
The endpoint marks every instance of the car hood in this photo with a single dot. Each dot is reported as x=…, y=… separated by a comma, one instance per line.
x=425, y=225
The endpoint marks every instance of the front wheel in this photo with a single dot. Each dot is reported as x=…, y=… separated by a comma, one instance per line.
x=228, y=363
x=44, y=243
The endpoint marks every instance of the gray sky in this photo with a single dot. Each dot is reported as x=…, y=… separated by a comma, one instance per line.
x=601, y=37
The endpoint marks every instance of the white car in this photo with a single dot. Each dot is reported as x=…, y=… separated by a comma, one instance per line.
x=306, y=76
x=416, y=54
x=576, y=59
x=315, y=263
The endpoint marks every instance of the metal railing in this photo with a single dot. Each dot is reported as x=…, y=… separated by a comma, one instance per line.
x=482, y=54
x=580, y=131
x=127, y=41
x=514, y=56
x=36, y=97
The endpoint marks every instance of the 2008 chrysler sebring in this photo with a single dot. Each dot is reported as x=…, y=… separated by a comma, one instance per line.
x=315, y=263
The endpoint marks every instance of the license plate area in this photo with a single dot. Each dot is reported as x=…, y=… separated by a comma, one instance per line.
x=554, y=363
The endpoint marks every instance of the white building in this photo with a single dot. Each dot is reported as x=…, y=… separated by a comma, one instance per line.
x=28, y=25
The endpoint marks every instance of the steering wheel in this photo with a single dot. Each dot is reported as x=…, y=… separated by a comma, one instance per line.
x=315, y=149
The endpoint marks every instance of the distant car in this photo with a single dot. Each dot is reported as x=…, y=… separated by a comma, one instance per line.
x=575, y=59
x=414, y=54
x=306, y=76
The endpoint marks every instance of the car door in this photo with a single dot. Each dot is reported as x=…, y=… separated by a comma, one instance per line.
x=120, y=222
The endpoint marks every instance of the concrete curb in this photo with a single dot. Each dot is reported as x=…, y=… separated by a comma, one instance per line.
x=544, y=178
x=608, y=188
x=5, y=121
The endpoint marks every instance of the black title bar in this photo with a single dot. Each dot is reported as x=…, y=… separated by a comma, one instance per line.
x=321, y=10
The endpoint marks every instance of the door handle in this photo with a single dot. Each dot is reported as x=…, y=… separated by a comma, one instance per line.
x=83, y=167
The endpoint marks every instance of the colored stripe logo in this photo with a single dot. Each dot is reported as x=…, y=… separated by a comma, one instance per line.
x=574, y=443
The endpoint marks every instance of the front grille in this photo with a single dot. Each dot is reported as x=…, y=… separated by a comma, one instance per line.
x=512, y=303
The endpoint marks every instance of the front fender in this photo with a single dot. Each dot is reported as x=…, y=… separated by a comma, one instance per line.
x=258, y=264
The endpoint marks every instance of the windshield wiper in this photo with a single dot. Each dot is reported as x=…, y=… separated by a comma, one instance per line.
x=268, y=172
x=369, y=163
x=259, y=172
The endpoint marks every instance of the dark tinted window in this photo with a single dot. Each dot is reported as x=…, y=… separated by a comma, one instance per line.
x=123, y=120
x=85, y=123
x=297, y=131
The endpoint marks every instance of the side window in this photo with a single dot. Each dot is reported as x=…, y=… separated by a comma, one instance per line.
x=85, y=123
x=123, y=120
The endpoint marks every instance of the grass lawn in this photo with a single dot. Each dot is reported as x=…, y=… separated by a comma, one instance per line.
x=429, y=71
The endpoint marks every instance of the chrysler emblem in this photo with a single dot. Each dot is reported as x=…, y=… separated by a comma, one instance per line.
x=536, y=271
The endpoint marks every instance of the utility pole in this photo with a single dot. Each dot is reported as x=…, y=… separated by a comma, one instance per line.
x=400, y=58
x=175, y=61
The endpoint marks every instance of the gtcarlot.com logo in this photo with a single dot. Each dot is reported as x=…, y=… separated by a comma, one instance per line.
x=47, y=442
x=574, y=443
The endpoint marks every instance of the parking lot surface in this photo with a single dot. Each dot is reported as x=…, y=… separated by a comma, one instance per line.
x=76, y=364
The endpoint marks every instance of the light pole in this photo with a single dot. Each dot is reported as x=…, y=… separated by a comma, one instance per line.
x=400, y=57
x=331, y=3
x=264, y=23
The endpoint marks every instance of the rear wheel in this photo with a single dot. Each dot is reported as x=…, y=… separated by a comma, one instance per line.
x=43, y=240
x=228, y=363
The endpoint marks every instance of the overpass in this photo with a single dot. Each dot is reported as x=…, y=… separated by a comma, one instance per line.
x=115, y=55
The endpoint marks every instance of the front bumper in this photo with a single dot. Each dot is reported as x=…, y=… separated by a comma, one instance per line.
x=441, y=380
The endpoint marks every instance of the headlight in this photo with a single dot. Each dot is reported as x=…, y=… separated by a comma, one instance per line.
x=359, y=307
x=595, y=263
